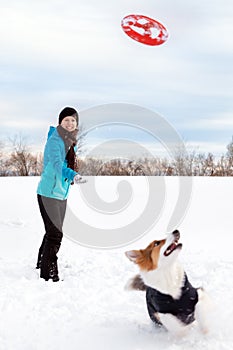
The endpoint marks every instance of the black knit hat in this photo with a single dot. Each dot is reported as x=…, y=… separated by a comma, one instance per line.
x=68, y=112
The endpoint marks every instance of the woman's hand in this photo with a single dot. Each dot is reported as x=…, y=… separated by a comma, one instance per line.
x=79, y=180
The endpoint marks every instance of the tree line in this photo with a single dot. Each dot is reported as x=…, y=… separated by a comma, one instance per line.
x=20, y=161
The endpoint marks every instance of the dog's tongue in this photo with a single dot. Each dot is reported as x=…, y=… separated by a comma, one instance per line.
x=173, y=246
x=170, y=249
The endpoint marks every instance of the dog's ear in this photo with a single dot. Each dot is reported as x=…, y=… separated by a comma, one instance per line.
x=133, y=255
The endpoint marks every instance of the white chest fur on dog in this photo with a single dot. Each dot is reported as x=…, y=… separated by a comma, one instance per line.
x=171, y=299
x=168, y=280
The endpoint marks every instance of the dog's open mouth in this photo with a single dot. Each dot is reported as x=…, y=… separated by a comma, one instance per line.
x=172, y=247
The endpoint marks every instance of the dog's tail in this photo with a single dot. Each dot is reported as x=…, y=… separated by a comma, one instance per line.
x=136, y=283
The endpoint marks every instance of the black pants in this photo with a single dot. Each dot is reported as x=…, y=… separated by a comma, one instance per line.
x=53, y=214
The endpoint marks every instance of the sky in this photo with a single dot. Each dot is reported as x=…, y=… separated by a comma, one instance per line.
x=58, y=53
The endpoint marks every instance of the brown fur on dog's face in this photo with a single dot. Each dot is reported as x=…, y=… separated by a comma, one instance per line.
x=147, y=259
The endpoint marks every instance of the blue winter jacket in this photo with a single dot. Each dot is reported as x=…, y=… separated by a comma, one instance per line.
x=56, y=177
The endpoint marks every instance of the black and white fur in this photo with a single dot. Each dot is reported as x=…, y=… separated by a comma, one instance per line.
x=172, y=301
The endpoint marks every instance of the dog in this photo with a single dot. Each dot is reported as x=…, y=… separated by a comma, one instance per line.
x=172, y=302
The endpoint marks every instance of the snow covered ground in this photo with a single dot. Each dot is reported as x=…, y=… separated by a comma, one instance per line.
x=90, y=309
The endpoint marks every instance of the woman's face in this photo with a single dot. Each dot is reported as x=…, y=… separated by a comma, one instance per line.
x=69, y=123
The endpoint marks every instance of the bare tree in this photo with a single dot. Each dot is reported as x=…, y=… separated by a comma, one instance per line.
x=22, y=162
x=3, y=169
x=230, y=149
x=81, y=141
x=38, y=164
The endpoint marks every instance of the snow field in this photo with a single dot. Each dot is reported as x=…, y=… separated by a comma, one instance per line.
x=89, y=308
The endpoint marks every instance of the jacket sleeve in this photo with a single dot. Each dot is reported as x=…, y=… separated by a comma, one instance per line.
x=59, y=165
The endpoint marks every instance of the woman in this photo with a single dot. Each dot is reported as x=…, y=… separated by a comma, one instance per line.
x=52, y=192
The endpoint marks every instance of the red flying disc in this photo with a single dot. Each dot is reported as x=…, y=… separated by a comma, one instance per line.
x=144, y=29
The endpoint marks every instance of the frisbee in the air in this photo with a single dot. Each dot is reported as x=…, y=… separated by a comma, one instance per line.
x=144, y=29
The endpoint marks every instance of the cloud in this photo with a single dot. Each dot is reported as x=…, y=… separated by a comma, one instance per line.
x=216, y=122
x=216, y=148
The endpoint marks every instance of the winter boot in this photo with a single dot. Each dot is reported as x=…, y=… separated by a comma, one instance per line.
x=40, y=254
x=48, y=268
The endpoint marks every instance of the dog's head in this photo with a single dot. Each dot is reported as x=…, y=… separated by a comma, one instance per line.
x=157, y=253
